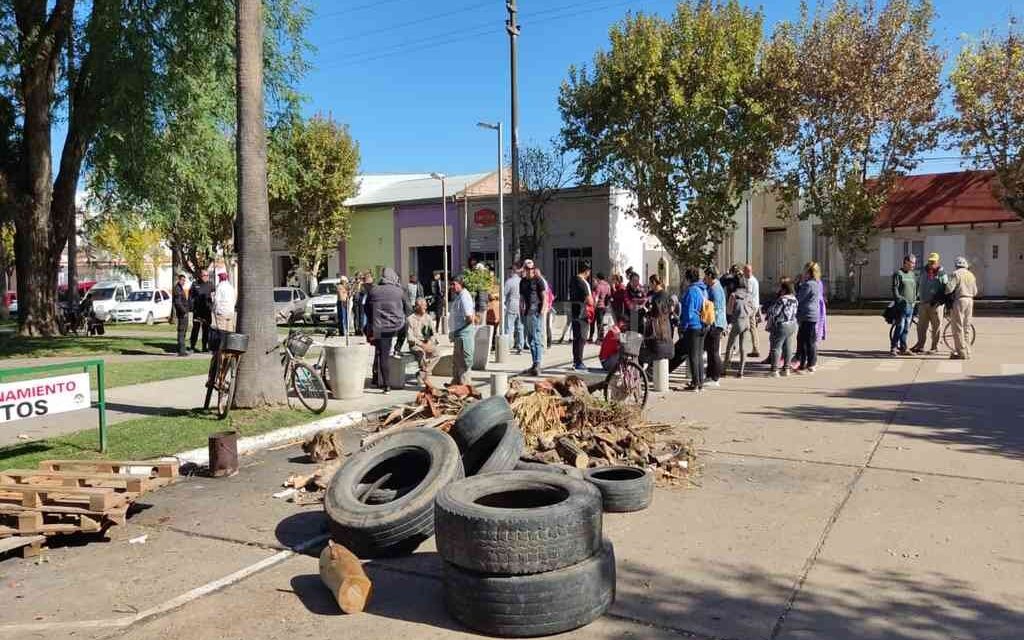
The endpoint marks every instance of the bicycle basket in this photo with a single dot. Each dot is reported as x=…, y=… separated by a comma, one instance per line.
x=299, y=344
x=630, y=343
x=233, y=342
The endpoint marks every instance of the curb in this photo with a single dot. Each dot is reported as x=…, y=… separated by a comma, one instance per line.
x=201, y=457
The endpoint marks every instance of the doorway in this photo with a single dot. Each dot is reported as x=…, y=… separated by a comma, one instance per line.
x=428, y=260
x=774, y=258
x=997, y=265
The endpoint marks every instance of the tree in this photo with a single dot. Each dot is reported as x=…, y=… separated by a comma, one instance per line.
x=865, y=94
x=126, y=238
x=313, y=167
x=988, y=90
x=259, y=381
x=542, y=173
x=112, y=71
x=6, y=264
x=684, y=114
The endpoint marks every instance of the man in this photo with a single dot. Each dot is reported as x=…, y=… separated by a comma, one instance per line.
x=201, y=299
x=692, y=328
x=636, y=298
x=462, y=331
x=730, y=280
x=179, y=298
x=963, y=288
x=386, y=312
x=932, y=289
x=422, y=342
x=713, y=339
x=513, y=321
x=438, y=293
x=224, y=300
x=754, y=290
x=343, y=304
x=413, y=290
x=904, y=295
x=533, y=305
x=579, y=298
x=602, y=298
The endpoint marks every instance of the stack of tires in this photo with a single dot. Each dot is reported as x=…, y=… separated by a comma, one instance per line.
x=524, y=553
x=488, y=437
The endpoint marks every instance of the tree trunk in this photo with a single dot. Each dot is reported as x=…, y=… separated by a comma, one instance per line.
x=73, y=265
x=259, y=379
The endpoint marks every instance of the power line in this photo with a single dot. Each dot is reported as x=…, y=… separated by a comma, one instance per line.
x=411, y=23
x=361, y=7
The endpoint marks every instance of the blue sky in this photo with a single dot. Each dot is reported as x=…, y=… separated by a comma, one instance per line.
x=412, y=78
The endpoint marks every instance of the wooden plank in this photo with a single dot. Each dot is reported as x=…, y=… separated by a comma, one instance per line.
x=158, y=468
x=98, y=499
x=132, y=483
x=28, y=545
x=115, y=514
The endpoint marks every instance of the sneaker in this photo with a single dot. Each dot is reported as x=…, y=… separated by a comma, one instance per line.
x=917, y=349
x=810, y=370
x=904, y=352
x=714, y=384
x=893, y=352
x=533, y=371
x=753, y=354
x=775, y=373
x=956, y=356
x=785, y=373
x=580, y=367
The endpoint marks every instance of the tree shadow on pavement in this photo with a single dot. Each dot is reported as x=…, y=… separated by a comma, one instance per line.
x=983, y=414
x=301, y=527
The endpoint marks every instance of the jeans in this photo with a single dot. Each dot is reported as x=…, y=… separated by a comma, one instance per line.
x=182, y=328
x=462, y=361
x=782, y=344
x=343, y=318
x=738, y=332
x=514, y=326
x=713, y=346
x=693, y=341
x=579, y=336
x=533, y=323
x=807, y=343
x=899, y=338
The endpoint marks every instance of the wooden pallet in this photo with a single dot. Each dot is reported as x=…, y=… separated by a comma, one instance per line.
x=127, y=483
x=157, y=469
x=28, y=546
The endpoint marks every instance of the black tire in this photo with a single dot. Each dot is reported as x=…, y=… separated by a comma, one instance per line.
x=543, y=467
x=476, y=419
x=532, y=605
x=309, y=387
x=497, y=450
x=226, y=392
x=518, y=522
x=627, y=383
x=947, y=335
x=424, y=459
x=210, y=377
x=623, y=489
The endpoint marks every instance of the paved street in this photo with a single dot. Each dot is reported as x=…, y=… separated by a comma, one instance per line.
x=878, y=498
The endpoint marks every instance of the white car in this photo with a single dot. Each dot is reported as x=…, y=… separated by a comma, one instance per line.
x=106, y=296
x=288, y=304
x=149, y=306
x=323, y=305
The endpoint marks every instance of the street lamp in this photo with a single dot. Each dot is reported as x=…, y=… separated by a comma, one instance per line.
x=501, y=223
x=444, y=249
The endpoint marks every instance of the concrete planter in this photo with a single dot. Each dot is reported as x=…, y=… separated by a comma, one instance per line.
x=348, y=369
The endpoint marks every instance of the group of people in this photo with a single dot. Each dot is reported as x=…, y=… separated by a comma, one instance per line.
x=210, y=306
x=926, y=294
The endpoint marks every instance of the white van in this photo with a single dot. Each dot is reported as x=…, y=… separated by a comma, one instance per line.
x=107, y=295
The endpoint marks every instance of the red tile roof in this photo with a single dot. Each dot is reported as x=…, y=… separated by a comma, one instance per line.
x=944, y=198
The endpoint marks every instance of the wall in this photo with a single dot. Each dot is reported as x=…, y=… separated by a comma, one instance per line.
x=370, y=242
x=411, y=216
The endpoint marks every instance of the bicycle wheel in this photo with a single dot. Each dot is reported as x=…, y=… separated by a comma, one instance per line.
x=626, y=384
x=309, y=387
x=211, y=378
x=227, y=388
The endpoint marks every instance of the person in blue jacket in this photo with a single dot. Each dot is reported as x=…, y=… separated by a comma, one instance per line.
x=691, y=328
x=713, y=339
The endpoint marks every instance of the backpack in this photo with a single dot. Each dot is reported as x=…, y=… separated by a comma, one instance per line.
x=707, y=313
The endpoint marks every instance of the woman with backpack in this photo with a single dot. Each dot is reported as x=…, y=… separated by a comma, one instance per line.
x=739, y=312
x=782, y=327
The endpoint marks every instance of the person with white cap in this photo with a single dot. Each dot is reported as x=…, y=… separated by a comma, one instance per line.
x=932, y=295
x=533, y=304
x=963, y=288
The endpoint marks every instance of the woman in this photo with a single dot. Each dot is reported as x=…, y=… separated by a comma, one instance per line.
x=491, y=315
x=618, y=299
x=549, y=294
x=635, y=299
x=343, y=304
x=739, y=310
x=657, y=343
x=808, y=313
x=781, y=327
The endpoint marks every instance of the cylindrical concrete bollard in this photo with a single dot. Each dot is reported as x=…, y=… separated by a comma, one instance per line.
x=347, y=368
x=504, y=346
x=661, y=376
x=499, y=384
x=223, y=448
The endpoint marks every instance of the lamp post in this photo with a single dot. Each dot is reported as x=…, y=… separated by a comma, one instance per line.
x=501, y=240
x=444, y=248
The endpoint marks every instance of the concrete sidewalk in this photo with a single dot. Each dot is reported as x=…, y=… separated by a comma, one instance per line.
x=877, y=499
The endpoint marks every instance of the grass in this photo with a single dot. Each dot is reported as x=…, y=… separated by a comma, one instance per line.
x=122, y=374
x=150, y=437
x=12, y=346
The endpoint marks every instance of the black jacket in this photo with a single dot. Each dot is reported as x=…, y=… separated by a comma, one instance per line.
x=386, y=306
x=578, y=298
x=179, y=298
x=201, y=298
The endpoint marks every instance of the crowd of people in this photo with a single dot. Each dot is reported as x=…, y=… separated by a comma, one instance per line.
x=210, y=306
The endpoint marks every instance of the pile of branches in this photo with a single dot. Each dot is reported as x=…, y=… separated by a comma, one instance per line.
x=433, y=407
x=564, y=422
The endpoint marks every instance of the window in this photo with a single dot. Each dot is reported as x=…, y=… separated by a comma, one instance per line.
x=915, y=248
x=995, y=252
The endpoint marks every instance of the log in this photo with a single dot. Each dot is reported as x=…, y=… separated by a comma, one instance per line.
x=545, y=443
x=343, y=575
x=572, y=453
x=323, y=446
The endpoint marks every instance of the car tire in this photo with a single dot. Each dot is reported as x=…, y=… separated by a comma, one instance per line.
x=424, y=459
x=543, y=467
x=497, y=450
x=540, y=604
x=518, y=522
x=478, y=418
x=623, y=489
x=149, y=319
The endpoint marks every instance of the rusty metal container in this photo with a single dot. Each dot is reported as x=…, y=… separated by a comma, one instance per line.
x=224, y=454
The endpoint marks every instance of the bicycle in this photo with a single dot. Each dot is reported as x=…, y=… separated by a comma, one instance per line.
x=627, y=382
x=223, y=374
x=320, y=366
x=299, y=376
x=947, y=332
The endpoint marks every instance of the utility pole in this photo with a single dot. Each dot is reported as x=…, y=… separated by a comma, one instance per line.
x=512, y=26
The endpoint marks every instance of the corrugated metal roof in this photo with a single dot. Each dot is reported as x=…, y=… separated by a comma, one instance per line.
x=961, y=197
x=379, y=190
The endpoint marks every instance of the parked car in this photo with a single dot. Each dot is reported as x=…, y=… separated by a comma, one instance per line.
x=11, y=302
x=149, y=306
x=289, y=304
x=107, y=295
x=323, y=306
